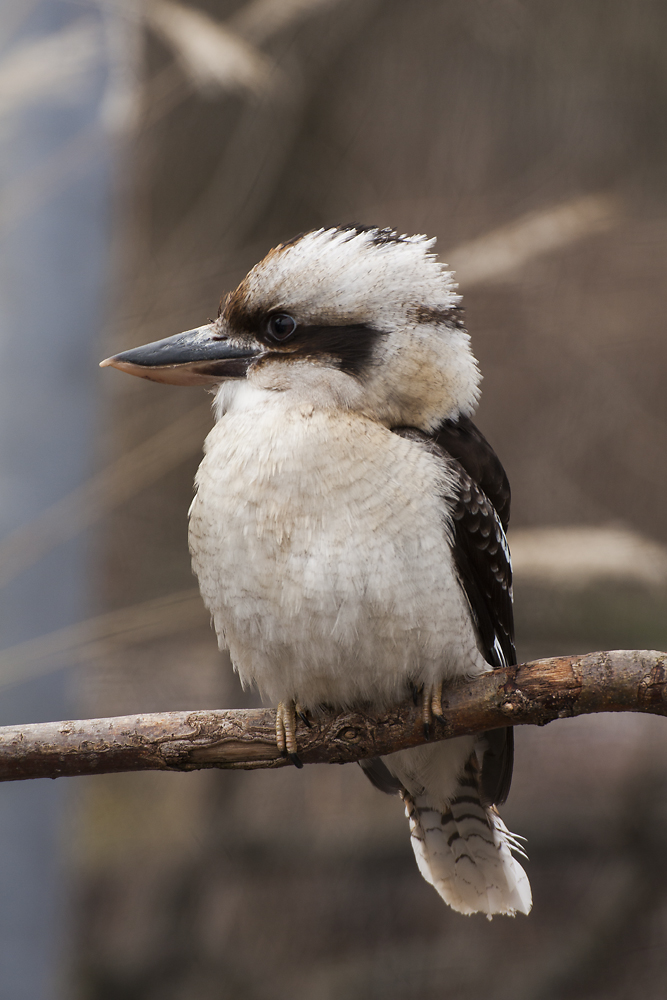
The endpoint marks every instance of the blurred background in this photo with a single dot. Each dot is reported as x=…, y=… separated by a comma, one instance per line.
x=151, y=152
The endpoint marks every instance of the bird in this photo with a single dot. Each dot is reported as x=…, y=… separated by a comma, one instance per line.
x=348, y=523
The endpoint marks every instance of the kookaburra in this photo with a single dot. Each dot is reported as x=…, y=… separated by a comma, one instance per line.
x=348, y=527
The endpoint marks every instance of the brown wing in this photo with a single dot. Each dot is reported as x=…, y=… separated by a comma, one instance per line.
x=482, y=560
x=485, y=570
x=465, y=442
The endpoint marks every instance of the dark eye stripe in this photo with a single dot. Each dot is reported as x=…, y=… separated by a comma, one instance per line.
x=350, y=346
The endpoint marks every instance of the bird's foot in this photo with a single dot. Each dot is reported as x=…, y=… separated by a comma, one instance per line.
x=431, y=697
x=286, y=715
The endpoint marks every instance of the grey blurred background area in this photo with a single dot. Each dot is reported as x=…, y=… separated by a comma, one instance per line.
x=152, y=153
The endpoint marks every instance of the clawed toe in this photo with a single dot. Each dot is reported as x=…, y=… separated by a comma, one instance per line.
x=436, y=699
x=286, y=715
x=431, y=702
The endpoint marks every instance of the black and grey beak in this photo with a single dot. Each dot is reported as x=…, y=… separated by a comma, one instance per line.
x=196, y=357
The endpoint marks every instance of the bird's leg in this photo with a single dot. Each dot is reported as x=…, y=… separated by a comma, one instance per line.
x=286, y=727
x=436, y=699
x=431, y=705
x=286, y=714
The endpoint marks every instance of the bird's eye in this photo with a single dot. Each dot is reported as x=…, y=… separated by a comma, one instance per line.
x=281, y=326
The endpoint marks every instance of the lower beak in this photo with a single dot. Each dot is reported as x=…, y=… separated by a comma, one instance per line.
x=196, y=357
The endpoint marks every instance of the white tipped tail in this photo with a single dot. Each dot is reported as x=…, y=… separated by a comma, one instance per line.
x=465, y=853
x=462, y=846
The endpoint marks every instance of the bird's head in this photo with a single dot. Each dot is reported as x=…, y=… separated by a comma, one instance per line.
x=351, y=317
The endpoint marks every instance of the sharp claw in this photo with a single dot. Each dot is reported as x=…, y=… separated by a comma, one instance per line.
x=427, y=730
x=304, y=718
x=295, y=759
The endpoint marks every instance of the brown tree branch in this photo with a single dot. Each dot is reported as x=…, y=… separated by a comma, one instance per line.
x=528, y=694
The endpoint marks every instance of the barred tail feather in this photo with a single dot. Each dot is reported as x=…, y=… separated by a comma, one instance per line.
x=466, y=855
x=462, y=846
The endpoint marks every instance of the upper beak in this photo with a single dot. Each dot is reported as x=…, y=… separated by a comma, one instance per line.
x=196, y=357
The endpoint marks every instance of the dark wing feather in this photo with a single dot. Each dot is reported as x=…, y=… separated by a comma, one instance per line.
x=482, y=560
x=465, y=442
x=483, y=565
x=480, y=515
x=379, y=775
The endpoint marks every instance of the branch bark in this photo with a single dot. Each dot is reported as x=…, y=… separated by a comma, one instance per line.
x=527, y=694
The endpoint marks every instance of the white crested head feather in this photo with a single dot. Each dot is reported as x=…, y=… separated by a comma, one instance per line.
x=422, y=369
x=352, y=275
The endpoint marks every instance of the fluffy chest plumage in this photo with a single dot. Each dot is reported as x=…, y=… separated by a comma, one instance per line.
x=320, y=540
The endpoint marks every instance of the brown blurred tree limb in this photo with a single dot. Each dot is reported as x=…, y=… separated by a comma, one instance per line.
x=528, y=694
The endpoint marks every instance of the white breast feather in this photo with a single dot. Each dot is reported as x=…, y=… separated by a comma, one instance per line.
x=320, y=543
